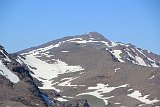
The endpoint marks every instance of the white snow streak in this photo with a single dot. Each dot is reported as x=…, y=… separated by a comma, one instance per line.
x=100, y=89
x=61, y=99
x=64, y=51
x=80, y=40
x=40, y=50
x=151, y=77
x=137, y=95
x=153, y=63
x=117, y=103
x=67, y=97
x=140, y=61
x=117, y=69
x=67, y=82
x=8, y=74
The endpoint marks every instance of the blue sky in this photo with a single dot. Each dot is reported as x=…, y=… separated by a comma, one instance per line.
x=27, y=23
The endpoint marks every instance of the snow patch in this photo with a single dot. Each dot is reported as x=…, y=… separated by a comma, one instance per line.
x=61, y=99
x=67, y=82
x=47, y=84
x=8, y=74
x=151, y=77
x=141, y=105
x=100, y=89
x=67, y=97
x=131, y=56
x=153, y=63
x=117, y=103
x=41, y=50
x=64, y=51
x=140, y=61
x=82, y=41
x=137, y=95
x=130, y=89
x=117, y=53
x=117, y=69
x=49, y=71
x=149, y=51
x=20, y=60
x=113, y=44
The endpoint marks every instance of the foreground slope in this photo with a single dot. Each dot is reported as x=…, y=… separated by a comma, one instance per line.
x=18, y=87
x=92, y=67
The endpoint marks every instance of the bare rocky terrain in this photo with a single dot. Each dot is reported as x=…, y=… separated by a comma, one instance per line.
x=85, y=70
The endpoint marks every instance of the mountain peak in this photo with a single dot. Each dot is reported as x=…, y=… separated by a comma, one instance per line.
x=95, y=35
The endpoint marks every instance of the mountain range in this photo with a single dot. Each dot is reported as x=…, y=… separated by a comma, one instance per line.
x=85, y=70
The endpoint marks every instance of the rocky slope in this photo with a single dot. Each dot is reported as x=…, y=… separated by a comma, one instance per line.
x=18, y=87
x=91, y=67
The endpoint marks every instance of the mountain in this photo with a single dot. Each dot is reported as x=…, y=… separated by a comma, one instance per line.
x=90, y=70
x=19, y=89
x=92, y=67
x=119, y=51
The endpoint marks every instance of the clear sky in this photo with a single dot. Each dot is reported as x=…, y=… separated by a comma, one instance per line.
x=26, y=23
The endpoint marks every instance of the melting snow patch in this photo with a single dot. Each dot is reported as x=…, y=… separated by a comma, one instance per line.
x=47, y=84
x=130, y=89
x=89, y=35
x=117, y=103
x=107, y=49
x=113, y=44
x=117, y=53
x=80, y=40
x=134, y=51
x=64, y=51
x=141, y=105
x=153, y=63
x=67, y=82
x=151, y=77
x=137, y=95
x=61, y=99
x=49, y=71
x=67, y=97
x=100, y=89
x=149, y=51
x=117, y=69
x=130, y=55
x=19, y=59
x=81, y=72
x=8, y=74
x=40, y=50
x=74, y=39
x=140, y=61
